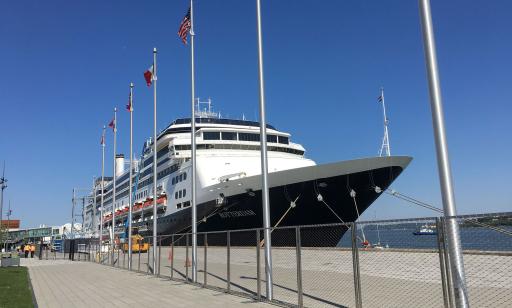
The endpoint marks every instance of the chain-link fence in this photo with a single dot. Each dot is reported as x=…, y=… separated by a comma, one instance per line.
x=390, y=263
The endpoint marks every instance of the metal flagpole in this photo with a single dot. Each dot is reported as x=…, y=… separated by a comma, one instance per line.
x=102, y=188
x=72, y=214
x=113, y=228
x=453, y=237
x=264, y=166
x=2, y=187
x=385, y=147
x=130, y=201
x=94, y=206
x=193, y=148
x=154, y=164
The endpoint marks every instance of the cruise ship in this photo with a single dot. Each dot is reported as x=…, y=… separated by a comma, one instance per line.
x=229, y=182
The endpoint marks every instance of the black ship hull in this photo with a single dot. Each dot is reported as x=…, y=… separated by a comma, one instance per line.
x=316, y=201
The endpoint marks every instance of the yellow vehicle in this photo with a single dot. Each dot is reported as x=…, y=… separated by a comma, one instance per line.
x=137, y=244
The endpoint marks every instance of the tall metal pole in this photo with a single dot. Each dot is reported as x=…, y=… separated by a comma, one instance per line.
x=113, y=227
x=72, y=214
x=445, y=177
x=130, y=201
x=154, y=165
x=193, y=147
x=264, y=166
x=2, y=186
x=93, y=226
x=102, y=186
x=8, y=224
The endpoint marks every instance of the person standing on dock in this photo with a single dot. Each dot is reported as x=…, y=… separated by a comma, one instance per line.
x=26, y=249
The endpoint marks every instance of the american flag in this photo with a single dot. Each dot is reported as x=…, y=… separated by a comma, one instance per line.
x=185, y=27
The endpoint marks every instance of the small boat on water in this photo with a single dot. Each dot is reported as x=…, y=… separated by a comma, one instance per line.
x=425, y=230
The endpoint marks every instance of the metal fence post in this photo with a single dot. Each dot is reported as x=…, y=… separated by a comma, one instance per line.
x=448, y=266
x=124, y=259
x=138, y=266
x=186, y=258
x=159, y=255
x=299, y=267
x=172, y=256
x=205, y=258
x=442, y=265
x=258, y=267
x=355, y=263
x=228, y=270
x=118, y=263
x=149, y=255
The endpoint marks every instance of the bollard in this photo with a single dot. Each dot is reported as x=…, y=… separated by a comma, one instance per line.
x=205, y=258
x=258, y=269
x=355, y=264
x=228, y=270
x=149, y=249
x=299, y=267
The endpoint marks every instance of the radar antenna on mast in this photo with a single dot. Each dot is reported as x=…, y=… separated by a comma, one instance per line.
x=385, y=149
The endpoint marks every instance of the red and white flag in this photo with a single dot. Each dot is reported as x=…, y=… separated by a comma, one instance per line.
x=185, y=26
x=129, y=106
x=149, y=75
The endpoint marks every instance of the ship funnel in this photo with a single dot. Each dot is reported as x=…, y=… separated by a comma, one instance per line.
x=119, y=164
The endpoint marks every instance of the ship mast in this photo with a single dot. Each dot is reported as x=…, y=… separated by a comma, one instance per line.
x=385, y=147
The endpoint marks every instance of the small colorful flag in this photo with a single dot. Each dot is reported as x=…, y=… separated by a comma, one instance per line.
x=129, y=105
x=185, y=27
x=112, y=124
x=148, y=75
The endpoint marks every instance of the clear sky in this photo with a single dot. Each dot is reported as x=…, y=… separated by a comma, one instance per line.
x=66, y=64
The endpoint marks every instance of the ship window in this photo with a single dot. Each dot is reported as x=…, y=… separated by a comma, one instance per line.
x=178, y=206
x=283, y=140
x=211, y=136
x=173, y=182
x=248, y=137
x=181, y=177
x=272, y=138
x=176, y=195
x=179, y=194
x=184, y=176
x=184, y=192
x=228, y=136
x=186, y=204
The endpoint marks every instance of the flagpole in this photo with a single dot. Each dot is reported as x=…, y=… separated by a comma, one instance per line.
x=264, y=161
x=113, y=228
x=130, y=204
x=193, y=147
x=154, y=164
x=443, y=161
x=102, y=191
x=94, y=212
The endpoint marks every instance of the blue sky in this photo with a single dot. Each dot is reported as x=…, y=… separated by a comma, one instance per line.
x=67, y=64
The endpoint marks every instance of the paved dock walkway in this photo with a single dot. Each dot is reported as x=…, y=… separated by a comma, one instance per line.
x=61, y=283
